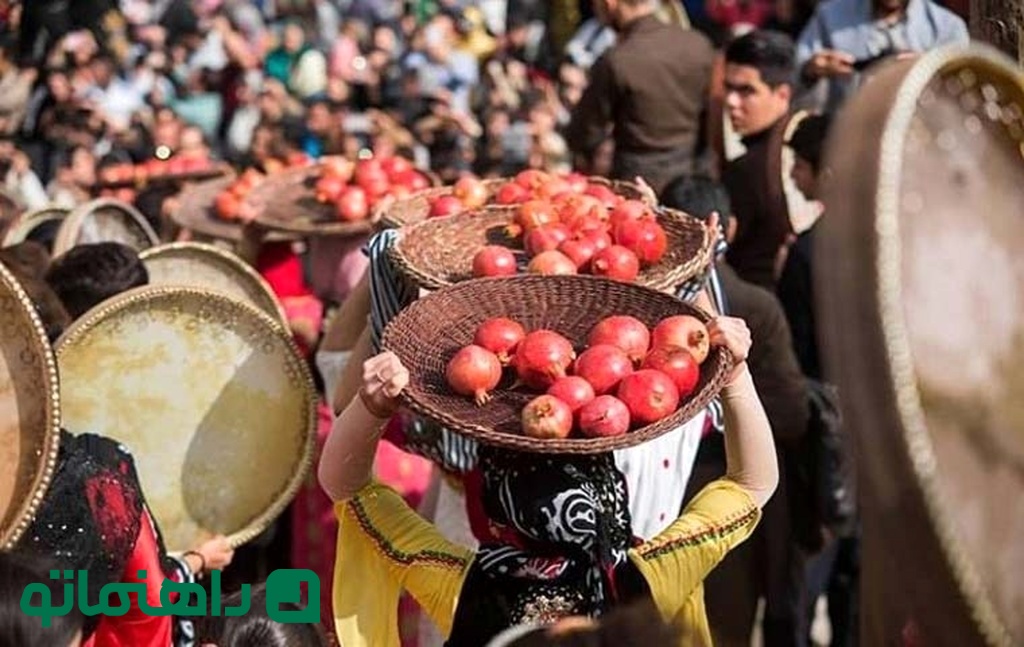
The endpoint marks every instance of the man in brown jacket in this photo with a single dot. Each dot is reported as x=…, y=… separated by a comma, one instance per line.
x=649, y=91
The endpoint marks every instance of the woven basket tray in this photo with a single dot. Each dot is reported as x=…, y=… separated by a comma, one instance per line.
x=286, y=201
x=439, y=251
x=426, y=335
x=415, y=208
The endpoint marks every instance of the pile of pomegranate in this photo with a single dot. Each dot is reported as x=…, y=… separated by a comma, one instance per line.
x=354, y=188
x=627, y=377
x=231, y=202
x=566, y=225
x=155, y=168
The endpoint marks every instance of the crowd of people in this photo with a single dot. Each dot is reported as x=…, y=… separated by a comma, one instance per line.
x=699, y=100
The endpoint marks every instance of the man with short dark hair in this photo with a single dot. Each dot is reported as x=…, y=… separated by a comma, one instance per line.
x=759, y=69
x=90, y=274
x=650, y=91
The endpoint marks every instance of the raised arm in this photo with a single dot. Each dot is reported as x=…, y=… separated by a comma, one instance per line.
x=346, y=465
x=749, y=449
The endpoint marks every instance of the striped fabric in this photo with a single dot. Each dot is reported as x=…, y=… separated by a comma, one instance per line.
x=390, y=292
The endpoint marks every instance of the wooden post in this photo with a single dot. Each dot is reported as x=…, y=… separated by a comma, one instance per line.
x=1000, y=23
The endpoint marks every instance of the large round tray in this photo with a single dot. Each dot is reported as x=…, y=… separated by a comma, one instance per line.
x=416, y=207
x=920, y=295
x=209, y=394
x=286, y=202
x=29, y=411
x=195, y=212
x=427, y=333
x=104, y=220
x=199, y=265
x=439, y=251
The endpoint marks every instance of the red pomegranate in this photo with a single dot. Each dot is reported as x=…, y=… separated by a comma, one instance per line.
x=643, y=237
x=683, y=331
x=546, y=417
x=494, y=260
x=616, y=262
x=541, y=358
x=579, y=251
x=650, y=395
x=446, y=205
x=551, y=263
x=501, y=336
x=572, y=390
x=678, y=364
x=512, y=193
x=627, y=210
x=603, y=366
x=353, y=204
x=629, y=334
x=471, y=192
x=545, y=238
x=474, y=371
x=604, y=417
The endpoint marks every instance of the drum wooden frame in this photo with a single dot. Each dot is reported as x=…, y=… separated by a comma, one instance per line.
x=21, y=325
x=258, y=292
x=23, y=224
x=254, y=329
x=67, y=236
x=876, y=204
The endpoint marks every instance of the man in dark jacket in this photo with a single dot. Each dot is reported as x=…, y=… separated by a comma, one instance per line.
x=759, y=69
x=770, y=565
x=649, y=91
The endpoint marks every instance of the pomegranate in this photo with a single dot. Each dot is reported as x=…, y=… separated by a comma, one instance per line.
x=369, y=172
x=446, y=205
x=579, y=251
x=545, y=238
x=336, y=166
x=531, y=179
x=552, y=187
x=627, y=210
x=547, y=417
x=494, y=260
x=581, y=211
x=649, y=395
x=471, y=192
x=577, y=182
x=601, y=239
x=603, y=366
x=474, y=371
x=604, y=194
x=626, y=333
x=353, y=204
x=329, y=188
x=412, y=179
x=500, y=336
x=572, y=390
x=395, y=166
x=644, y=237
x=678, y=364
x=512, y=193
x=551, y=263
x=530, y=215
x=616, y=262
x=605, y=416
x=227, y=205
x=541, y=358
x=683, y=331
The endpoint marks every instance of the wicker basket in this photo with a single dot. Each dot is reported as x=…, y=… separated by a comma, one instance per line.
x=439, y=251
x=426, y=335
x=415, y=208
x=286, y=201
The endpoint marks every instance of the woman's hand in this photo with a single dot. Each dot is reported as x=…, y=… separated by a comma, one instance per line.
x=384, y=379
x=733, y=334
x=214, y=554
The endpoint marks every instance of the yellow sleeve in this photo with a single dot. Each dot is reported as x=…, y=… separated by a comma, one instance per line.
x=383, y=548
x=675, y=563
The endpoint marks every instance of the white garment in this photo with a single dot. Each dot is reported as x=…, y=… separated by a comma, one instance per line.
x=657, y=473
x=331, y=364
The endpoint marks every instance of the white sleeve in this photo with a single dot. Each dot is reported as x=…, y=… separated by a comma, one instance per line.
x=331, y=364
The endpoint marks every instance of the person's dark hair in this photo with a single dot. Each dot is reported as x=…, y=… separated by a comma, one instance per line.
x=27, y=262
x=698, y=196
x=808, y=140
x=18, y=570
x=770, y=52
x=256, y=629
x=89, y=274
x=637, y=625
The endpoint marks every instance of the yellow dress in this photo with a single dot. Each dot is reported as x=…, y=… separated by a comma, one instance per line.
x=385, y=547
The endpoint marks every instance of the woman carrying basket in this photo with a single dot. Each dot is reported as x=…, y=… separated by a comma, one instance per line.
x=566, y=544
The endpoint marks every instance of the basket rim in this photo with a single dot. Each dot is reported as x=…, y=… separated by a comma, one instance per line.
x=484, y=434
x=662, y=280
